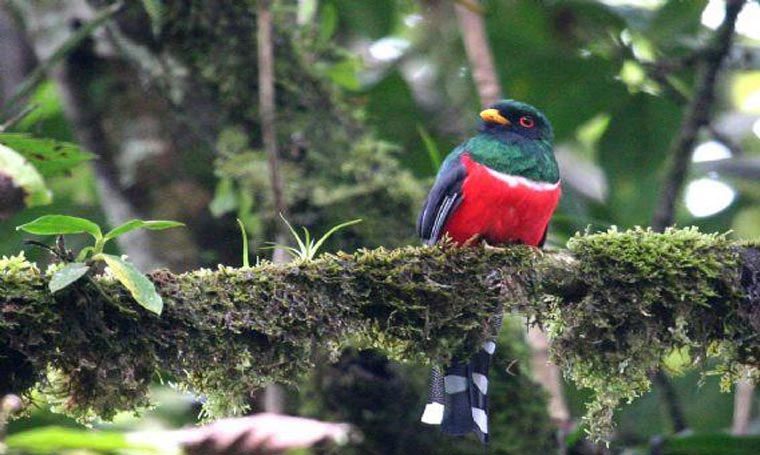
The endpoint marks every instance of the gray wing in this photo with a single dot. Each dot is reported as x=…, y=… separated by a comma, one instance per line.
x=443, y=199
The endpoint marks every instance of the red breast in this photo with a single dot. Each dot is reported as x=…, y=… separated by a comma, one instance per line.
x=502, y=208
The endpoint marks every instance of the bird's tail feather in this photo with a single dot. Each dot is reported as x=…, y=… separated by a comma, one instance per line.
x=459, y=396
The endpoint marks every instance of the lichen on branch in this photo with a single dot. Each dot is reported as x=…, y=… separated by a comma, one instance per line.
x=615, y=304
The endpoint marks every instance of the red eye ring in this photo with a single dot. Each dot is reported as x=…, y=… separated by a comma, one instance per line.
x=527, y=122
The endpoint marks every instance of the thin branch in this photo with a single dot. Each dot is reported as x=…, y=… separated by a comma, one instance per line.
x=697, y=116
x=15, y=119
x=47, y=65
x=671, y=400
x=268, y=116
x=274, y=397
x=473, y=29
x=743, y=400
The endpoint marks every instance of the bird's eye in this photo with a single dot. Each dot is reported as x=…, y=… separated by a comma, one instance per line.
x=527, y=121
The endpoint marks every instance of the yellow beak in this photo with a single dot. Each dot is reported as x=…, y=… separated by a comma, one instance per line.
x=493, y=116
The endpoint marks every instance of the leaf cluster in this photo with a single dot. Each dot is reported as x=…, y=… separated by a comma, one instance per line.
x=141, y=289
x=308, y=247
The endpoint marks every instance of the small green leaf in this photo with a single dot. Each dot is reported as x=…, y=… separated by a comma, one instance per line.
x=84, y=252
x=23, y=176
x=141, y=288
x=332, y=231
x=246, y=264
x=61, y=224
x=301, y=245
x=432, y=148
x=131, y=225
x=308, y=247
x=67, y=275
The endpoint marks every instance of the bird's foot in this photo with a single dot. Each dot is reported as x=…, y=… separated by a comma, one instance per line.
x=472, y=240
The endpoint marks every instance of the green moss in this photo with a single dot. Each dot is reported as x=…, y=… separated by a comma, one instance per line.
x=20, y=282
x=646, y=294
x=225, y=333
x=615, y=306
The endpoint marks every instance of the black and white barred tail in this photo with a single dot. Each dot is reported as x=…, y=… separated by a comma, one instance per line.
x=458, y=399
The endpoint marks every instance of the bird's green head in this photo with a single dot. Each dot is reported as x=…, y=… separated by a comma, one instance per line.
x=514, y=122
x=515, y=138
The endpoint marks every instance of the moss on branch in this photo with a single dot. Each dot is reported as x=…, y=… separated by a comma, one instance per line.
x=615, y=304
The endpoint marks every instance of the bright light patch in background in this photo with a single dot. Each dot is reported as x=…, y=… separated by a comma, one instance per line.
x=411, y=20
x=650, y=4
x=746, y=24
x=706, y=196
x=756, y=127
x=389, y=48
x=710, y=151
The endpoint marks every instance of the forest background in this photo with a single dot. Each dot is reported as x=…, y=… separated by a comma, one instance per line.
x=656, y=111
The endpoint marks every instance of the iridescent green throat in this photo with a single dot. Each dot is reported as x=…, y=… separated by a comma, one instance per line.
x=533, y=159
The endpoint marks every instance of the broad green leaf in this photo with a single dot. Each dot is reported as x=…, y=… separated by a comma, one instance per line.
x=524, y=38
x=68, y=274
x=675, y=21
x=131, y=225
x=391, y=108
x=225, y=198
x=61, y=224
x=141, y=288
x=17, y=171
x=47, y=119
x=328, y=22
x=345, y=74
x=632, y=152
x=53, y=439
x=50, y=157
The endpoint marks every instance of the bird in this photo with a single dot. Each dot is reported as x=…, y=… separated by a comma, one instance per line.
x=500, y=186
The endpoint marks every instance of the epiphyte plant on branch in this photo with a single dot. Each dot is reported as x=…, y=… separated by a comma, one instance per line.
x=308, y=247
x=501, y=186
x=74, y=268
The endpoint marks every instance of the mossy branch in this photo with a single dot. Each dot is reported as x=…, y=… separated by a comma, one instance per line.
x=614, y=303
